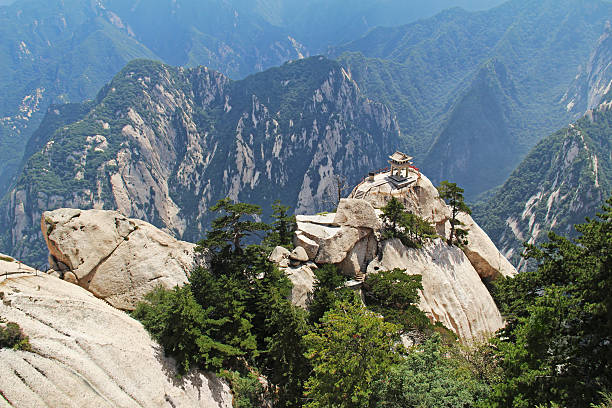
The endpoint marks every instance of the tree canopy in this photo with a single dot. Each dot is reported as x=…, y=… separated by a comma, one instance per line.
x=411, y=229
x=453, y=196
x=557, y=346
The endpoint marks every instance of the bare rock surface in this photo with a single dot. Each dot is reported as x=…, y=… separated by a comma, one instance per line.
x=116, y=258
x=279, y=255
x=356, y=213
x=482, y=252
x=85, y=353
x=299, y=254
x=452, y=290
x=357, y=259
x=309, y=245
x=322, y=219
x=335, y=248
x=303, y=280
x=422, y=198
x=418, y=196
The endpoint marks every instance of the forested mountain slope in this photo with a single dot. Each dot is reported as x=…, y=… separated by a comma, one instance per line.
x=565, y=178
x=56, y=52
x=65, y=51
x=163, y=144
x=321, y=23
x=594, y=78
x=460, y=81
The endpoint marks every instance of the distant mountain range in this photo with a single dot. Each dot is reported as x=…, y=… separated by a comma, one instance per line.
x=567, y=176
x=468, y=93
x=473, y=92
x=64, y=51
x=163, y=144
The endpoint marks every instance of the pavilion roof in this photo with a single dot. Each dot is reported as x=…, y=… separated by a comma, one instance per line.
x=400, y=157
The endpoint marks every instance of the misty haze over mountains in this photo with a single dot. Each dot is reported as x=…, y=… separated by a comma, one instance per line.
x=306, y=203
x=472, y=88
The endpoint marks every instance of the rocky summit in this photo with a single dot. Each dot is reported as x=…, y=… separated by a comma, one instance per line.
x=85, y=353
x=453, y=289
x=117, y=259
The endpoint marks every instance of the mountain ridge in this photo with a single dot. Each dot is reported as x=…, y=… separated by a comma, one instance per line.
x=565, y=178
x=429, y=66
x=163, y=144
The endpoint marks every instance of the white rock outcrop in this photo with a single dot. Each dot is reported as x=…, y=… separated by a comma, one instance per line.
x=356, y=213
x=346, y=238
x=87, y=354
x=309, y=245
x=303, y=280
x=299, y=254
x=483, y=254
x=116, y=258
x=453, y=293
x=280, y=256
x=421, y=197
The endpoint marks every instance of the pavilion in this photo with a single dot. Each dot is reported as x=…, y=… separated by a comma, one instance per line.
x=401, y=165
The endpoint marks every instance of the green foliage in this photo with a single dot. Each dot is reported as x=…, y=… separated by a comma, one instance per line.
x=394, y=294
x=225, y=298
x=562, y=193
x=556, y=346
x=282, y=227
x=350, y=349
x=187, y=331
x=328, y=290
x=281, y=333
x=453, y=196
x=426, y=378
x=247, y=389
x=473, y=92
x=417, y=229
x=11, y=336
x=235, y=316
x=606, y=402
x=236, y=319
x=229, y=229
x=411, y=229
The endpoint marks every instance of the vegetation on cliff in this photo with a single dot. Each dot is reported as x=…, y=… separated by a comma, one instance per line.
x=473, y=92
x=11, y=336
x=235, y=318
x=557, y=345
x=186, y=138
x=564, y=179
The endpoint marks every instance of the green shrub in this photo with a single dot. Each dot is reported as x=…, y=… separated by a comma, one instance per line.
x=247, y=389
x=11, y=336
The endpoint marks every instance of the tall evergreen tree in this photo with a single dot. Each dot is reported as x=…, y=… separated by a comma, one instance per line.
x=557, y=346
x=453, y=196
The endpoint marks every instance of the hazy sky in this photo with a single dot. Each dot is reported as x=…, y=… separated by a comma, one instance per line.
x=471, y=4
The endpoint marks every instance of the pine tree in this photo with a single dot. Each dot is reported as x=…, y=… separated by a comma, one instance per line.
x=453, y=196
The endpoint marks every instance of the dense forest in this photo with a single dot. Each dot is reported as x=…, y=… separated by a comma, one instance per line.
x=380, y=350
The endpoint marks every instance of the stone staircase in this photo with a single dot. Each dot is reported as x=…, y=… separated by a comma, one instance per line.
x=360, y=194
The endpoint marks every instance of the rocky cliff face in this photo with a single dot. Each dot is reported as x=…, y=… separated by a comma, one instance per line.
x=594, y=79
x=453, y=289
x=163, y=144
x=564, y=179
x=474, y=92
x=65, y=51
x=116, y=258
x=85, y=353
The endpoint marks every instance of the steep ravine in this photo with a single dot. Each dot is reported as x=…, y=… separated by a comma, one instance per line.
x=163, y=144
